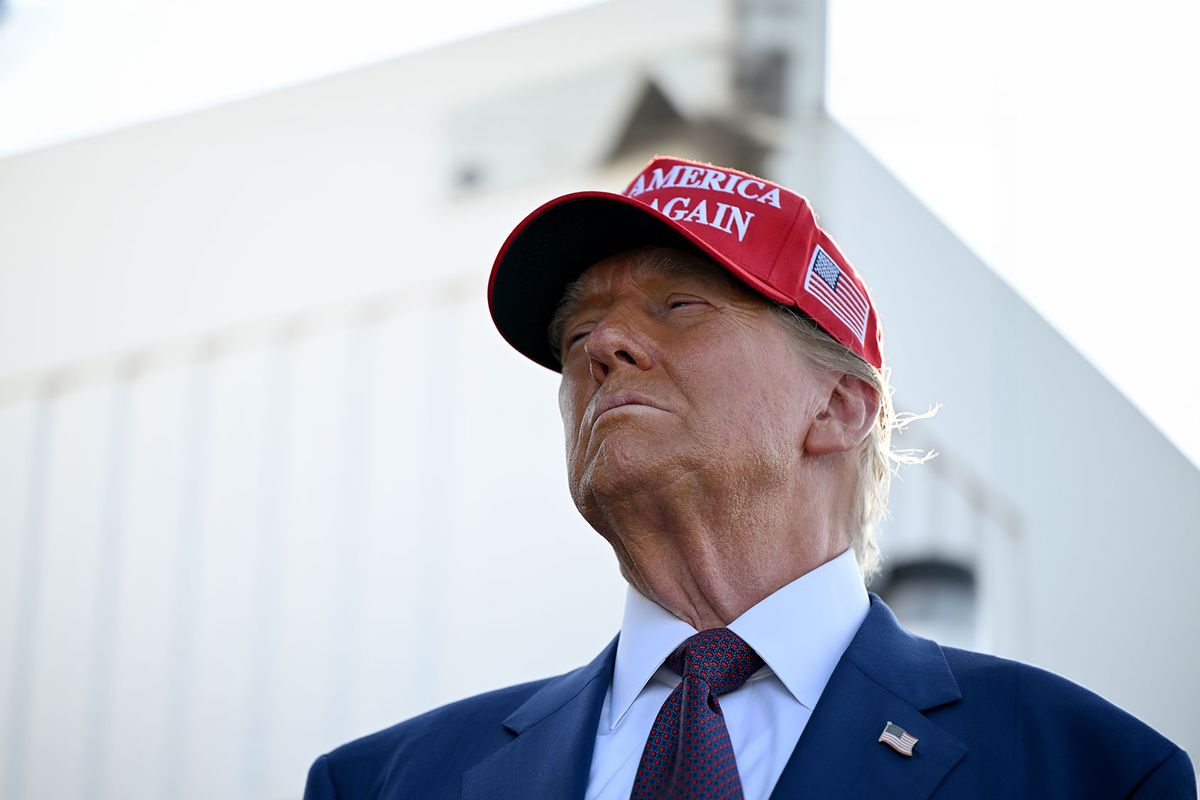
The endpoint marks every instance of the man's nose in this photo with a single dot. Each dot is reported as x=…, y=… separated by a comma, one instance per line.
x=613, y=345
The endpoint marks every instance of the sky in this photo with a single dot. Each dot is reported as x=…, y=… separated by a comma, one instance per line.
x=70, y=68
x=1056, y=138
x=1059, y=141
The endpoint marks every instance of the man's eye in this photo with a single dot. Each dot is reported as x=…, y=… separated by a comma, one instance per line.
x=684, y=302
x=574, y=337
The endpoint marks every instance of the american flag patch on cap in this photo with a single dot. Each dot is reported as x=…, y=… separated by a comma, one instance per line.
x=898, y=739
x=836, y=290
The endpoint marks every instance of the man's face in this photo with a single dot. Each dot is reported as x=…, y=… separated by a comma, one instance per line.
x=677, y=376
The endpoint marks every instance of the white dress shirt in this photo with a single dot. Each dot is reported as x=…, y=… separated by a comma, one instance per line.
x=800, y=631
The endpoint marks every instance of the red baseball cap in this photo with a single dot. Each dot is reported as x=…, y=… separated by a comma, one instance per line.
x=762, y=233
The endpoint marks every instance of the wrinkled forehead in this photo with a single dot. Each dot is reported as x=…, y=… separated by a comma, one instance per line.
x=602, y=279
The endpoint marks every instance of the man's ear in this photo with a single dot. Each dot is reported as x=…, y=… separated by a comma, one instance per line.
x=846, y=420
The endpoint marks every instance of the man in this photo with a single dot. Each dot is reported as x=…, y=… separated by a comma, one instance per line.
x=727, y=431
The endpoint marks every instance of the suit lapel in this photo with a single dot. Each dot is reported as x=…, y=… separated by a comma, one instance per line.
x=555, y=735
x=885, y=675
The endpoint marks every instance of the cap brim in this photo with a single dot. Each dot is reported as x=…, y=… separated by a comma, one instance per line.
x=557, y=242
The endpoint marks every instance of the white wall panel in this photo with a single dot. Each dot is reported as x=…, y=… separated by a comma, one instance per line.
x=65, y=582
x=24, y=431
x=142, y=704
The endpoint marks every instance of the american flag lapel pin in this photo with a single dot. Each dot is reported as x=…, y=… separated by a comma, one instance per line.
x=898, y=739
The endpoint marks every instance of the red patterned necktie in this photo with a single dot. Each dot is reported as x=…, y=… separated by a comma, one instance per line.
x=688, y=755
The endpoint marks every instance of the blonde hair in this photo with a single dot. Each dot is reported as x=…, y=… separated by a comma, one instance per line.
x=877, y=459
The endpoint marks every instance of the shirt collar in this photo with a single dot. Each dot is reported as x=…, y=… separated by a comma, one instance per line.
x=801, y=631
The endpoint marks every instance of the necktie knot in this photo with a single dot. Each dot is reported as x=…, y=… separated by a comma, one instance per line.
x=717, y=656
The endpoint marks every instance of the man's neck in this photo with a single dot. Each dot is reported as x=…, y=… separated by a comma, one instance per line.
x=708, y=559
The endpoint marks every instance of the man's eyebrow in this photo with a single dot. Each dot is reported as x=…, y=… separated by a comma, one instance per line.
x=695, y=267
x=687, y=266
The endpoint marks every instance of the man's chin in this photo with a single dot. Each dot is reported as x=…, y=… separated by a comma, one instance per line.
x=619, y=474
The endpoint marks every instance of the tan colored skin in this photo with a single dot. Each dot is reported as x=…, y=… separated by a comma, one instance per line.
x=729, y=471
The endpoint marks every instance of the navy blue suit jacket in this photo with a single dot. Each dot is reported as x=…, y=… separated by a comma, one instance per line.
x=986, y=728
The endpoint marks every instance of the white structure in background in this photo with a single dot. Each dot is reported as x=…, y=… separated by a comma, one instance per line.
x=269, y=480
